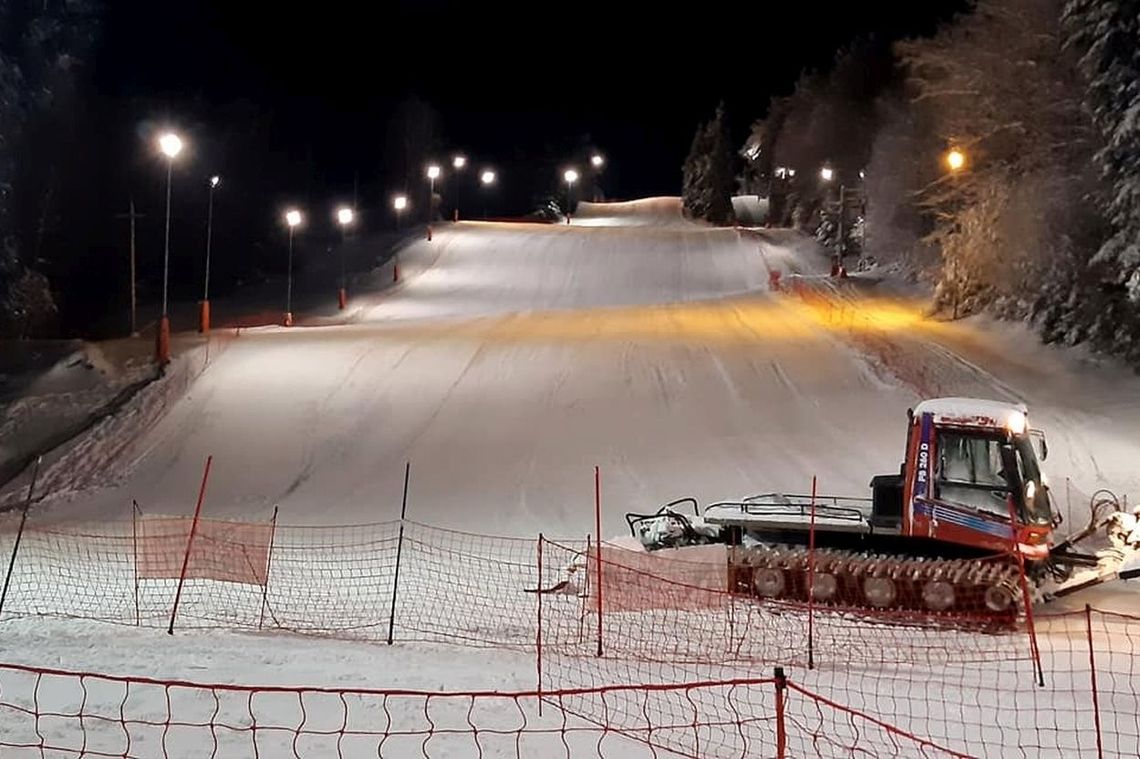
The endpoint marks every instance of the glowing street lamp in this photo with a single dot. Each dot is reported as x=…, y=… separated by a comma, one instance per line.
x=571, y=176
x=458, y=163
x=827, y=173
x=433, y=173
x=204, y=307
x=400, y=204
x=345, y=216
x=293, y=219
x=170, y=145
x=956, y=159
x=487, y=178
x=597, y=161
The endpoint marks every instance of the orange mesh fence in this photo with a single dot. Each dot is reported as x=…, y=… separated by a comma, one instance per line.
x=222, y=550
x=69, y=714
x=817, y=726
x=965, y=688
x=72, y=714
x=338, y=581
x=959, y=685
x=673, y=612
x=997, y=708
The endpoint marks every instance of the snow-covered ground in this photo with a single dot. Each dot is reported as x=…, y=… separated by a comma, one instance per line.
x=509, y=361
x=514, y=357
x=52, y=390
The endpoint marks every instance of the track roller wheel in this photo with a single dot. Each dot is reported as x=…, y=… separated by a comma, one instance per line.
x=938, y=595
x=880, y=592
x=768, y=581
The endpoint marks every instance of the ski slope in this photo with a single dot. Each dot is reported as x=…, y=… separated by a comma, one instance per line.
x=512, y=358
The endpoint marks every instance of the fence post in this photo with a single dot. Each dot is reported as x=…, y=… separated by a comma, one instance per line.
x=268, y=565
x=781, y=731
x=20, y=531
x=598, y=564
x=538, y=638
x=1026, y=598
x=1092, y=677
x=811, y=580
x=1029, y=626
x=585, y=595
x=189, y=545
x=135, y=542
x=399, y=552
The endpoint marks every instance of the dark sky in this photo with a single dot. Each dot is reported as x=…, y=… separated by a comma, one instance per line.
x=510, y=81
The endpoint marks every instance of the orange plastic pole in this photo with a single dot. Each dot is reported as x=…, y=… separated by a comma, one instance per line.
x=189, y=545
x=1026, y=598
x=162, y=342
x=781, y=732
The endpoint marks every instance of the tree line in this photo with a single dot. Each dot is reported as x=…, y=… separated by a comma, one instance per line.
x=1041, y=100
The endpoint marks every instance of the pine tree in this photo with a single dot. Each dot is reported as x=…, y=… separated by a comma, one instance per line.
x=1106, y=33
x=707, y=175
x=721, y=177
x=42, y=47
x=693, y=175
x=11, y=118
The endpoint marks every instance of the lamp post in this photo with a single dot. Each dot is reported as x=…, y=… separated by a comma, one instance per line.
x=487, y=178
x=827, y=174
x=432, y=175
x=458, y=163
x=956, y=161
x=204, y=307
x=571, y=176
x=293, y=219
x=597, y=161
x=171, y=145
x=344, y=217
x=399, y=203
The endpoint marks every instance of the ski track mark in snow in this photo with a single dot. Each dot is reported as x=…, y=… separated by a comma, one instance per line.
x=782, y=377
x=511, y=358
x=1004, y=389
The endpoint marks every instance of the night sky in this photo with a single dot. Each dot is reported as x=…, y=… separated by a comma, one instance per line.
x=510, y=81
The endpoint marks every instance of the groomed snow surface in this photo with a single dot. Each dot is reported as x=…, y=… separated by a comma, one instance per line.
x=508, y=362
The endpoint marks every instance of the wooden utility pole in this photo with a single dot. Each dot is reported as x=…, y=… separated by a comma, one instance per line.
x=134, y=302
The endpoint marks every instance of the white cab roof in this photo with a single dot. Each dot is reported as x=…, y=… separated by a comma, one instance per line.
x=974, y=412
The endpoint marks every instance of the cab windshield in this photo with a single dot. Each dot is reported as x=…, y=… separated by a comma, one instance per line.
x=971, y=471
x=1037, y=508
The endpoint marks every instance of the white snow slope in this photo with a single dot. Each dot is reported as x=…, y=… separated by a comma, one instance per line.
x=512, y=358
